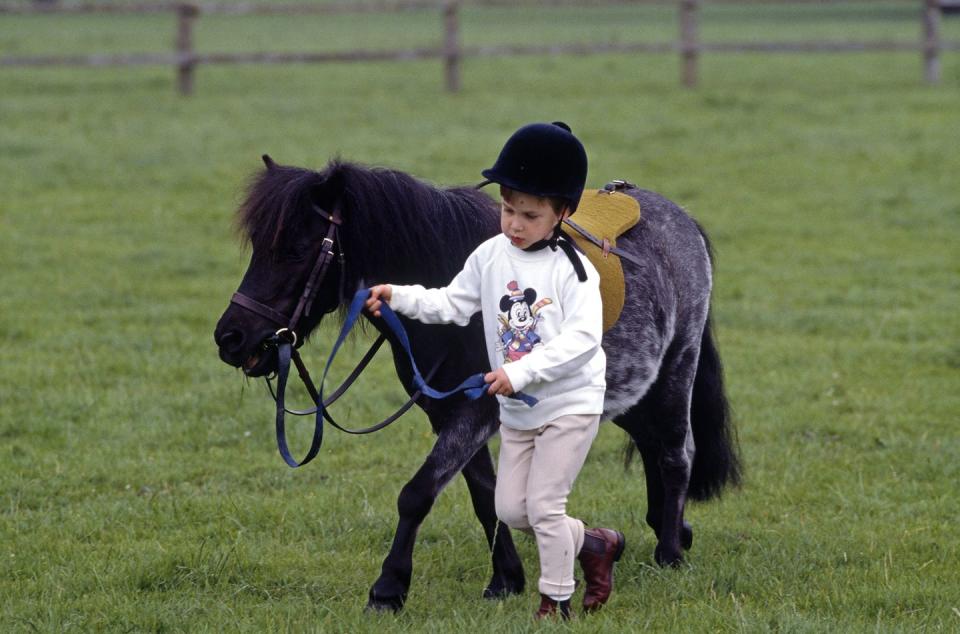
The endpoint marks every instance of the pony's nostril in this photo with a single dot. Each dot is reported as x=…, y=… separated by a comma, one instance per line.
x=229, y=340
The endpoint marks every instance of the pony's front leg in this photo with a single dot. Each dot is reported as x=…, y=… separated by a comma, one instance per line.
x=461, y=433
x=508, y=577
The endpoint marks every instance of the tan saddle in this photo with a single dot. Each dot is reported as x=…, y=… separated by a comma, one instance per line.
x=602, y=216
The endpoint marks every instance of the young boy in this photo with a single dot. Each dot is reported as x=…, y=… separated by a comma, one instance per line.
x=542, y=320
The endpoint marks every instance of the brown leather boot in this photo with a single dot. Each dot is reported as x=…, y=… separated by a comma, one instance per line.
x=601, y=548
x=551, y=608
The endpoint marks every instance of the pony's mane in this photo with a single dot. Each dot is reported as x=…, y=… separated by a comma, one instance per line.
x=396, y=228
x=273, y=210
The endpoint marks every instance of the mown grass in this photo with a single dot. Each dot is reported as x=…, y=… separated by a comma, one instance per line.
x=139, y=486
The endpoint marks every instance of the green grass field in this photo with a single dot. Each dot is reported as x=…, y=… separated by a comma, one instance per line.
x=140, y=489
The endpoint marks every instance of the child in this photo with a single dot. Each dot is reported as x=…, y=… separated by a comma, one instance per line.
x=543, y=323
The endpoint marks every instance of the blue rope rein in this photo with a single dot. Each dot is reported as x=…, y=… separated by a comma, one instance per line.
x=474, y=387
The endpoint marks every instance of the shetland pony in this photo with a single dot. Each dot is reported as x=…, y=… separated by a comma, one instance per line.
x=664, y=376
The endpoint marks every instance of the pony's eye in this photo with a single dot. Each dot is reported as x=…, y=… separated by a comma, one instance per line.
x=299, y=252
x=295, y=255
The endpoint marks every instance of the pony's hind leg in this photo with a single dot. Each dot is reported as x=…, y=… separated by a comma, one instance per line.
x=481, y=480
x=671, y=411
x=650, y=453
x=660, y=427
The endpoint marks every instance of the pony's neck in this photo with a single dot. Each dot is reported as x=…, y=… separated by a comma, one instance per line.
x=399, y=229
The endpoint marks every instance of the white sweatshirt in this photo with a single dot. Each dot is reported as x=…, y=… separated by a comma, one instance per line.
x=541, y=324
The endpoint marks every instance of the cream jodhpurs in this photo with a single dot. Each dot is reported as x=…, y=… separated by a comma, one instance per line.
x=535, y=474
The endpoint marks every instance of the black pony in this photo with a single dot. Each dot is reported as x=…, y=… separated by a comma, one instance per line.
x=664, y=378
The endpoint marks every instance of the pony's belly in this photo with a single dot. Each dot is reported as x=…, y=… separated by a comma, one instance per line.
x=630, y=373
x=620, y=399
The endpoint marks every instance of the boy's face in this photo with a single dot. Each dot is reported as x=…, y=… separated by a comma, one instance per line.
x=527, y=219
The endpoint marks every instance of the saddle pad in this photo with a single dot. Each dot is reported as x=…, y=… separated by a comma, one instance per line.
x=606, y=215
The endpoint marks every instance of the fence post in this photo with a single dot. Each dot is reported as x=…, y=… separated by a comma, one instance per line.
x=451, y=45
x=186, y=14
x=689, y=47
x=931, y=41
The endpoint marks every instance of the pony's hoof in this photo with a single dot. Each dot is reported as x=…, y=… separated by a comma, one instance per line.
x=665, y=556
x=686, y=536
x=381, y=607
x=377, y=603
x=500, y=588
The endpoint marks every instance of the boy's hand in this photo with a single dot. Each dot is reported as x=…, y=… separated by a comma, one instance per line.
x=499, y=382
x=379, y=292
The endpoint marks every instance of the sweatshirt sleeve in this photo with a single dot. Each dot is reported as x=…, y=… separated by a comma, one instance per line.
x=580, y=335
x=456, y=302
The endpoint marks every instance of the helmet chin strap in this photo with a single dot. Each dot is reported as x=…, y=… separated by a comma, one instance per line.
x=563, y=241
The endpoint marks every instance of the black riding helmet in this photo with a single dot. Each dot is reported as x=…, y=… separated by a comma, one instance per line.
x=543, y=159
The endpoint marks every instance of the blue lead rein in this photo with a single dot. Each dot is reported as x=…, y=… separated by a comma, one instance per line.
x=473, y=387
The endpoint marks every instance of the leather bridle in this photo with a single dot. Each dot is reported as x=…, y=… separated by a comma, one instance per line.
x=287, y=341
x=319, y=272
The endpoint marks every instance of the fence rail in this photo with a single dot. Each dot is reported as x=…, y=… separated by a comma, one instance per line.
x=221, y=8
x=688, y=44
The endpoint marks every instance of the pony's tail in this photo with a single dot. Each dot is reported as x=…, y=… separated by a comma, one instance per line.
x=716, y=462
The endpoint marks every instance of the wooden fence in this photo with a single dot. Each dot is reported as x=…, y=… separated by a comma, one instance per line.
x=687, y=45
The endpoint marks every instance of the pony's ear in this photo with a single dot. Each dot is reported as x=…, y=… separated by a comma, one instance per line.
x=268, y=161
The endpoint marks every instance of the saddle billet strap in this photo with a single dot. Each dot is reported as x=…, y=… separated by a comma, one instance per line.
x=593, y=239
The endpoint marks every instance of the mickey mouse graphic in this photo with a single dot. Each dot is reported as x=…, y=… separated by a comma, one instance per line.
x=518, y=325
